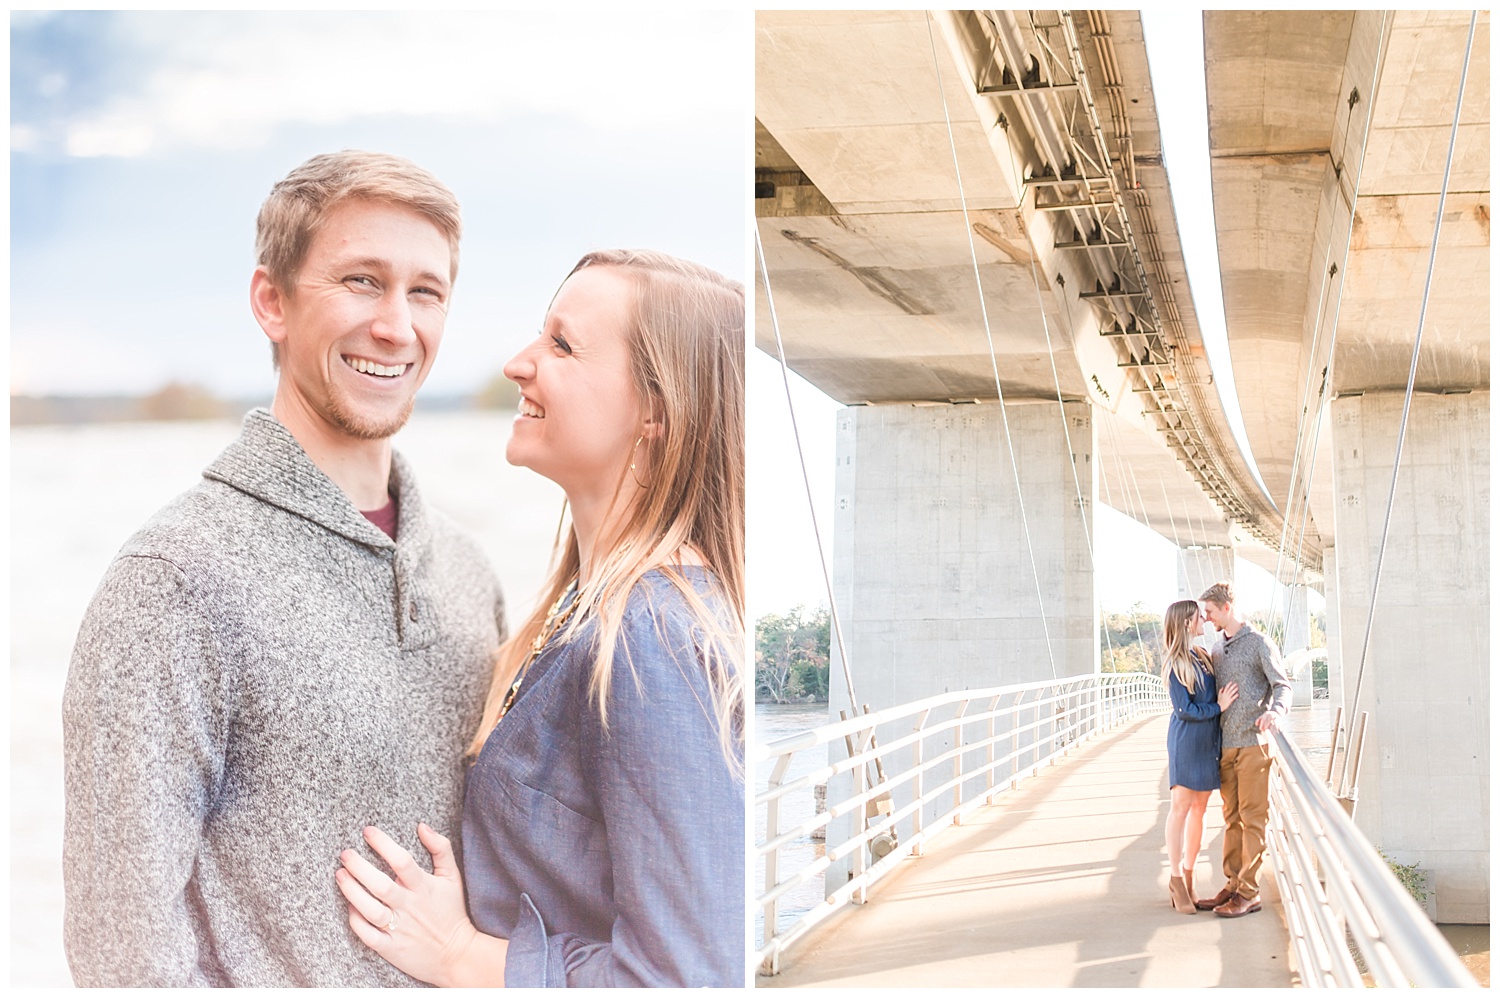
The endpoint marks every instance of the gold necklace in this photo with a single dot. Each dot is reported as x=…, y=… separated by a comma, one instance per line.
x=556, y=618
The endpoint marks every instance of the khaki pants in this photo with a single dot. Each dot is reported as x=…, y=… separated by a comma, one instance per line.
x=1245, y=778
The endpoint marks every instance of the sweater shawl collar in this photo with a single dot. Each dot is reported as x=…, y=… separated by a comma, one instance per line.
x=267, y=462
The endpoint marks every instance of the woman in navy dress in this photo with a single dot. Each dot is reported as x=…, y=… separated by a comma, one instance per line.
x=1192, y=743
x=604, y=819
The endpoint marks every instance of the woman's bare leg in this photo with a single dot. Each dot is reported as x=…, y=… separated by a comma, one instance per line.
x=1192, y=832
x=1177, y=818
x=1193, y=838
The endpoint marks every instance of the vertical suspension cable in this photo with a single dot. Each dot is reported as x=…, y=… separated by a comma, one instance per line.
x=1338, y=299
x=990, y=340
x=1109, y=501
x=1411, y=376
x=833, y=610
x=1305, y=416
x=1125, y=494
x=1083, y=513
x=1170, y=517
x=1302, y=417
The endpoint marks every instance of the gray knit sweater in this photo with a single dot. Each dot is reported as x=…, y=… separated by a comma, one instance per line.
x=262, y=673
x=1250, y=659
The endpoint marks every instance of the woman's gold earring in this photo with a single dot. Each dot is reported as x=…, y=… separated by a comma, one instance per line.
x=632, y=463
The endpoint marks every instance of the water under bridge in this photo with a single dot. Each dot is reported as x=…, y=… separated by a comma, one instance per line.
x=969, y=239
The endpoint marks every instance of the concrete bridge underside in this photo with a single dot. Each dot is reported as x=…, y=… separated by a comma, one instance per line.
x=963, y=530
x=872, y=270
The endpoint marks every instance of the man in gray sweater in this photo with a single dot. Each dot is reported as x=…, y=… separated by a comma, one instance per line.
x=296, y=647
x=1246, y=657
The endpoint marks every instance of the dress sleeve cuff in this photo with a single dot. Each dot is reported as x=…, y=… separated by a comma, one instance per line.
x=529, y=962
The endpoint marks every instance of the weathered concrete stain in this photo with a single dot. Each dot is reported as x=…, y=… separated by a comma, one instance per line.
x=871, y=277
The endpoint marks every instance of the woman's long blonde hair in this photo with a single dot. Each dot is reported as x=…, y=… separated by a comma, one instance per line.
x=687, y=363
x=1177, y=640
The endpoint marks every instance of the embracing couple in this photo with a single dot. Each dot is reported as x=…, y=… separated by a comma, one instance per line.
x=1223, y=702
x=301, y=748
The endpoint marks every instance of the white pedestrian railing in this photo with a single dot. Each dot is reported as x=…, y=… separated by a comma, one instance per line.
x=919, y=768
x=898, y=777
x=1344, y=907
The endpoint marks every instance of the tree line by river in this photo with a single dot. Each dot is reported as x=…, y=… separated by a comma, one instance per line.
x=791, y=649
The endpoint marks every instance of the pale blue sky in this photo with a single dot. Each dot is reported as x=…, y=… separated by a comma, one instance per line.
x=142, y=145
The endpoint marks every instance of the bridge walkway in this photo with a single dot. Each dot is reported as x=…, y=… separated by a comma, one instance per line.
x=1061, y=883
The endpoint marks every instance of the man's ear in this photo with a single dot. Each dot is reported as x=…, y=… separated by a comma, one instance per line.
x=268, y=303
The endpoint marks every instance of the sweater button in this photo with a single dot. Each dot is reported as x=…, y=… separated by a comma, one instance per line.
x=413, y=612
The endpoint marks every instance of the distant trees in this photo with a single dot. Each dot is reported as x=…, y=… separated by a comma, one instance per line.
x=178, y=400
x=174, y=400
x=791, y=656
x=792, y=650
x=1271, y=624
x=1130, y=642
x=498, y=393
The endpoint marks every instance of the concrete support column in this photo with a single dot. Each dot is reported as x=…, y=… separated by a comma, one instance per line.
x=1200, y=567
x=931, y=564
x=1297, y=626
x=1424, y=785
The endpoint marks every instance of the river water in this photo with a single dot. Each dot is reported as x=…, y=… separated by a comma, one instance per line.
x=77, y=493
x=774, y=721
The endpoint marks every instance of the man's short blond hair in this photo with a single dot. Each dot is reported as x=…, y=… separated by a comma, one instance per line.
x=1221, y=593
x=297, y=205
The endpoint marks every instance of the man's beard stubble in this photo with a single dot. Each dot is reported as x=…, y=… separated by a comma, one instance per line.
x=343, y=416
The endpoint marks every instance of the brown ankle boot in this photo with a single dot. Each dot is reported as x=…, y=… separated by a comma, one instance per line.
x=1181, y=900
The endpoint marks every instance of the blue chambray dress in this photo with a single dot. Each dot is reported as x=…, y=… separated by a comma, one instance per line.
x=1193, y=741
x=612, y=857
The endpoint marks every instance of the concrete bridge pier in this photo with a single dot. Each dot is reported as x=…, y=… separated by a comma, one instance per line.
x=932, y=569
x=1296, y=626
x=1200, y=567
x=1424, y=783
x=931, y=563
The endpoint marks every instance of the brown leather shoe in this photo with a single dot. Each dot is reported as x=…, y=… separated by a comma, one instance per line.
x=1236, y=906
x=1211, y=903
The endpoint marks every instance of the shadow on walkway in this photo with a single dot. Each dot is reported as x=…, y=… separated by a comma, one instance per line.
x=1061, y=883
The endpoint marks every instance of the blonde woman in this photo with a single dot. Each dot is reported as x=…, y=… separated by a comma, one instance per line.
x=1192, y=743
x=603, y=826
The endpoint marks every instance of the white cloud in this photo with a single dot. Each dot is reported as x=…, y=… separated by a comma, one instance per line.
x=117, y=135
x=24, y=138
x=226, y=80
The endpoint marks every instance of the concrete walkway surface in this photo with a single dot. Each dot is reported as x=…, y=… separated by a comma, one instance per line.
x=1061, y=883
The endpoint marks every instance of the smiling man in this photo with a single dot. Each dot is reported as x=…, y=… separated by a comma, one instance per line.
x=296, y=647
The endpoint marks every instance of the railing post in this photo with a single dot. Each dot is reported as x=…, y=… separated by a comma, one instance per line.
x=989, y=755
x=958, y=760
x=773, y=829
x=919, y=796
x=1333, y=750
x=1036, y=736
x=1015, y=741
x=861, y=826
